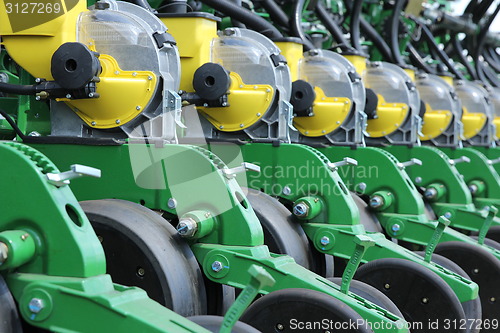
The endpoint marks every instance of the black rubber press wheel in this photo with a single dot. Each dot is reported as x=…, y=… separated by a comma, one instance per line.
x=484, y=269
x=9, y=317
x=282, y=232
x=142, y=249
x=472, y=308
x=420, y=294
x=493, y=233
x=291, y=310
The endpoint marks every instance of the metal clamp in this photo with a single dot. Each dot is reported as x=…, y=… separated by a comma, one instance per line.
x=492, y=212
x=245, y=166
x=443, y=222
x=259, y=278
x=463, y=159
x=77, y=171
x=495, y=161
x=346, y=161
x=363, y=242
x=413, y=161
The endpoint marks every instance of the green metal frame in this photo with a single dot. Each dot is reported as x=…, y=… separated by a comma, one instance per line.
x=236, y=241
x=55, y=257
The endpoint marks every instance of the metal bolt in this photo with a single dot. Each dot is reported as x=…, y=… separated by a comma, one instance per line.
x=38, y=98
x=325, y=241
x=217, y=266
x=395, y=227
x=476, y=270
x=25, y=236
x=150, y=78
x=38, y=80
x=362, y=186
x=137, y=107
x=473, y=188
x=134, y=74
x=241, y=125
x=301, y=209
x=141, y=271
x=447, y=215
x=68, y=96
x=425, y=300
x=287, y=190
x=36, y=305
x=224, y=104
x=187, y=227
x=117, y=72
x=117, y=121
x=493, y=299
x=418, y=180
x=376, y=201
x=258, y=114
x=430, y=193
x=205, y=104
x=387, y=286
x=91, y=95
x=4, y=253
x=221, y=127
x=280, y=327
x=93, y=123
x=172, y=203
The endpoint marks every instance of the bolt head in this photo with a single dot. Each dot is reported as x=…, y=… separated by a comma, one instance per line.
x=301, y=210
x=418, y=180
x=117, y=121
x=473, y=188
x=93, y=123
x=395, y=227
x=362, y=186
x=325, y=240
x=217, y=266
x=172, y=203
x=68, y=96
x=376, y=201
x=287, y=190
x=447, y=215
x=36, y=305
x=430, y=193
x=137, y=107
x=187, y=227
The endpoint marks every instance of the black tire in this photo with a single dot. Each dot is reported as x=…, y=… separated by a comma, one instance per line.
x=371, y=294
x=282, y=233
x=9, y=317
x=493, y=233
x=472, y=308
x=142, y=249
x=214, y=323
x=420, y=294
x=284, y=309
x=489, y=242
x=482, y=268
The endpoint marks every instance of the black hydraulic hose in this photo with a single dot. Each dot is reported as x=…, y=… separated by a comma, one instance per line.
x=296, y=24
x=277, y=14
x=481, y=9
x=17, y=89
x=459, y=51
x=330, y=24
x=355, y=23
x=377, y=40
x=234, y=21
x=481, y=41
x=429, y=37
x=394, y=32
x=490, y=75
x=488, y=56
x=470, y=7
x=418, y=61
x=12, y=124
x=246, y=17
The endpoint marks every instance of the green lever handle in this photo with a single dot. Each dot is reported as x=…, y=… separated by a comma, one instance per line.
x=259, y=278
x=492, y=212
x=443, y=222
x=362, y=243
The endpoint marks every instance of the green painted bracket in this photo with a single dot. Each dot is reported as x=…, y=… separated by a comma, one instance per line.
x=492, y=212
x=258, y=279
x=236, y=261
x=493, y=155
x=362, y=243
x=443, y=222
x=58, y=280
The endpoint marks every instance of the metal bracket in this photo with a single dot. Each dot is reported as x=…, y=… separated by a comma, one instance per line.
x=346, y=161
x=77, y=171
x=492, y=212
x=259, y=278
x=231, y=173
x=443, y=222
x=362, y=243
x=413, y=161
x=463, y=159
x=495, y=161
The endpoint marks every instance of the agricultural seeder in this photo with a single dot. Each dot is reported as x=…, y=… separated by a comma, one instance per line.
x=255, y=165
